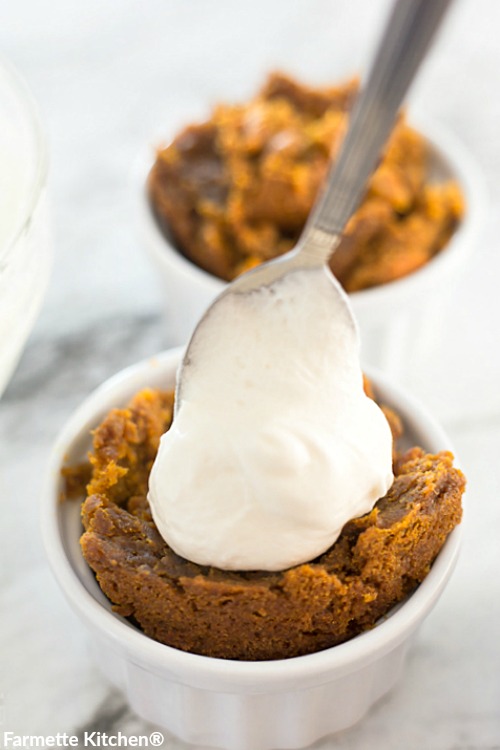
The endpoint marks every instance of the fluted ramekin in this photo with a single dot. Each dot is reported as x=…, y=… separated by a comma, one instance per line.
x=230, y=704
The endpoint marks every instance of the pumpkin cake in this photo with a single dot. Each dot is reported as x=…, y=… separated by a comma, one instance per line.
x=236, y=190
x=376, y=562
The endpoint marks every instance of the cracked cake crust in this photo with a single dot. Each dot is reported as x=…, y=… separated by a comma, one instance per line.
x=376, y=562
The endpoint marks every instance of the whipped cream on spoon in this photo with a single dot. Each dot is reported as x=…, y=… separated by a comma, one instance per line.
x=274, y=445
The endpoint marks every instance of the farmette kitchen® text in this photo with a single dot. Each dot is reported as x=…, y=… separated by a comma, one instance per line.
x=88, y=739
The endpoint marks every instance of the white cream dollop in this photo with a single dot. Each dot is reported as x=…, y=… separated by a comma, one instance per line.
x=274, y=445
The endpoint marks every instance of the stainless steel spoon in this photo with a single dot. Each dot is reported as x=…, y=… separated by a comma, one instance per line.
x=402, y=47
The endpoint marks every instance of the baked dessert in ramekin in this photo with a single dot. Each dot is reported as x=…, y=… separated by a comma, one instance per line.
x=274, y=703
x=237, y=189
x=377, y=561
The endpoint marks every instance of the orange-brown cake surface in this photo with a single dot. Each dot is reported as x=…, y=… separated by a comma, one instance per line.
x=378, y=559
x=236, y=190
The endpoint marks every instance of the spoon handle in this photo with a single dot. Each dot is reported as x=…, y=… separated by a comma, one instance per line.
x=406, y=38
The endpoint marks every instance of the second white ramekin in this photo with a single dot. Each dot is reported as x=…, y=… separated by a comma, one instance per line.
x=396, y=320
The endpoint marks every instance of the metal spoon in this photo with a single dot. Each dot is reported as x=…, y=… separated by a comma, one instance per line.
x=402, y=47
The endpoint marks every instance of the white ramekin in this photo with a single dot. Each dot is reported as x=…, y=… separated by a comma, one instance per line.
x=395, y=319
x=26, y=253
x=224, y=703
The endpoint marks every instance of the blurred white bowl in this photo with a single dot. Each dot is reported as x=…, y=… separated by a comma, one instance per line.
x=25, y=246
x=392, y=317
x=223, y=703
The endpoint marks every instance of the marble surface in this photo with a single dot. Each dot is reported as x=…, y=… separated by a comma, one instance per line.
x=111, y=79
